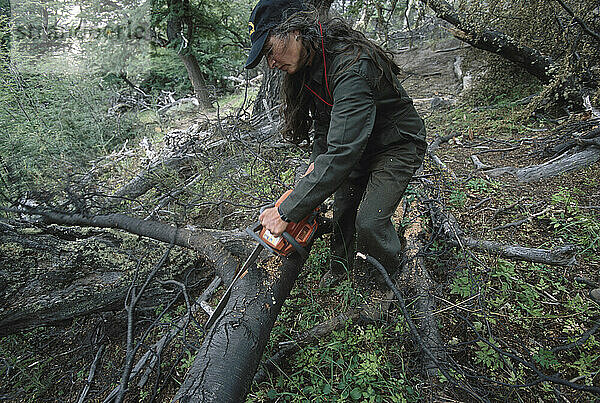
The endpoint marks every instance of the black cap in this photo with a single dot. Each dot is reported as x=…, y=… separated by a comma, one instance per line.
x=266, y=15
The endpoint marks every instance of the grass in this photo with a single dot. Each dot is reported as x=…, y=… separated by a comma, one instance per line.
x=356, y=363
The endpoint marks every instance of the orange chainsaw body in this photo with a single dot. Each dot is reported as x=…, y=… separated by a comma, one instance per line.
x=302, y=231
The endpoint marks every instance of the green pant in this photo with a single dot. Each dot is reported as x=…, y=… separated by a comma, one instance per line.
x=364, y=204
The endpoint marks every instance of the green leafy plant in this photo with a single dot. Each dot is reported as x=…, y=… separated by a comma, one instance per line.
x=462, y=284
x=457, y=198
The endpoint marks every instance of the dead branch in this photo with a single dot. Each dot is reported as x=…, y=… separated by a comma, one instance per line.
x=521, y=221
x=73, y=272
x=504, y=209
x=541, y=377
x=433, y=146
x=588, y=107
x=133, y=298
x=566, y=163
x=415, y=333
x=143, y=182
x=91, y=374
x=211, y=250
x=562, y=256
x=482, y=202
x=480, y=166
x=582, y=23
x=149, y=360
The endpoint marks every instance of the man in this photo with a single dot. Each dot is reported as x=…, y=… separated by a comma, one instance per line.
x=368, y=138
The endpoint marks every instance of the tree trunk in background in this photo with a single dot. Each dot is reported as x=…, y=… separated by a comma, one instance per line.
x=180, y=31
x=44, y=24
x=195, y=74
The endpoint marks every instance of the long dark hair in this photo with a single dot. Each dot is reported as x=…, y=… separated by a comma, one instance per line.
x=296, y=100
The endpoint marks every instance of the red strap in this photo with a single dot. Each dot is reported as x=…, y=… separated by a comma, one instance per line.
x=317, y=95
x=324, y=63
x=325, y=67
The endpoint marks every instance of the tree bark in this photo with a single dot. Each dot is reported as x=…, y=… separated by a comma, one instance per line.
x=227, y=361
x=417, y=277
x=213, y=251
x=49, y=277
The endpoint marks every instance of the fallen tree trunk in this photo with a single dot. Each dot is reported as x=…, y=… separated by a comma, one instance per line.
x=46, y=279
x=227, y=361
x=563, y=256
x=415, y=274
x=566, y=163
x=211, y=250
x=143, y=181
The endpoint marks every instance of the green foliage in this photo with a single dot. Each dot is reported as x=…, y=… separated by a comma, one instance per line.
x=574, y=224
x=546, y=359
x=165, y=73
x=220, y=28
x=31, y=373
x=457, y=199
x=480, y=185
x=354, y=363
x=487, y=356
x=351, y=365
x=54, y=125
x=462, y=284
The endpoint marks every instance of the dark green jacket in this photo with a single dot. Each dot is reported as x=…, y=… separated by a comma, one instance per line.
x=371, y=114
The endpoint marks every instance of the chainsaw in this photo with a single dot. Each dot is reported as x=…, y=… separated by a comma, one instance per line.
x=295, y=238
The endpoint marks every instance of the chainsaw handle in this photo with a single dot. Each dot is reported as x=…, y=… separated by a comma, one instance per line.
x=252, y=232
x=286, y=235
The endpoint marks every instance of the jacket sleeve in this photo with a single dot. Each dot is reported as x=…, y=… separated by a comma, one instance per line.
x=319, y=145
x=352, y=120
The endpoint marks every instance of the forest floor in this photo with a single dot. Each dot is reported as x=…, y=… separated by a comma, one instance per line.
x=527, y=308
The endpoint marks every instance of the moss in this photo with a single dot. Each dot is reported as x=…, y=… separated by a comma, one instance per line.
x=11, y=249
x=493, y=75
x=30, y=231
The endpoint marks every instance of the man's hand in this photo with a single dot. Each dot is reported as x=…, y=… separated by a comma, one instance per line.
x=271, y=220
